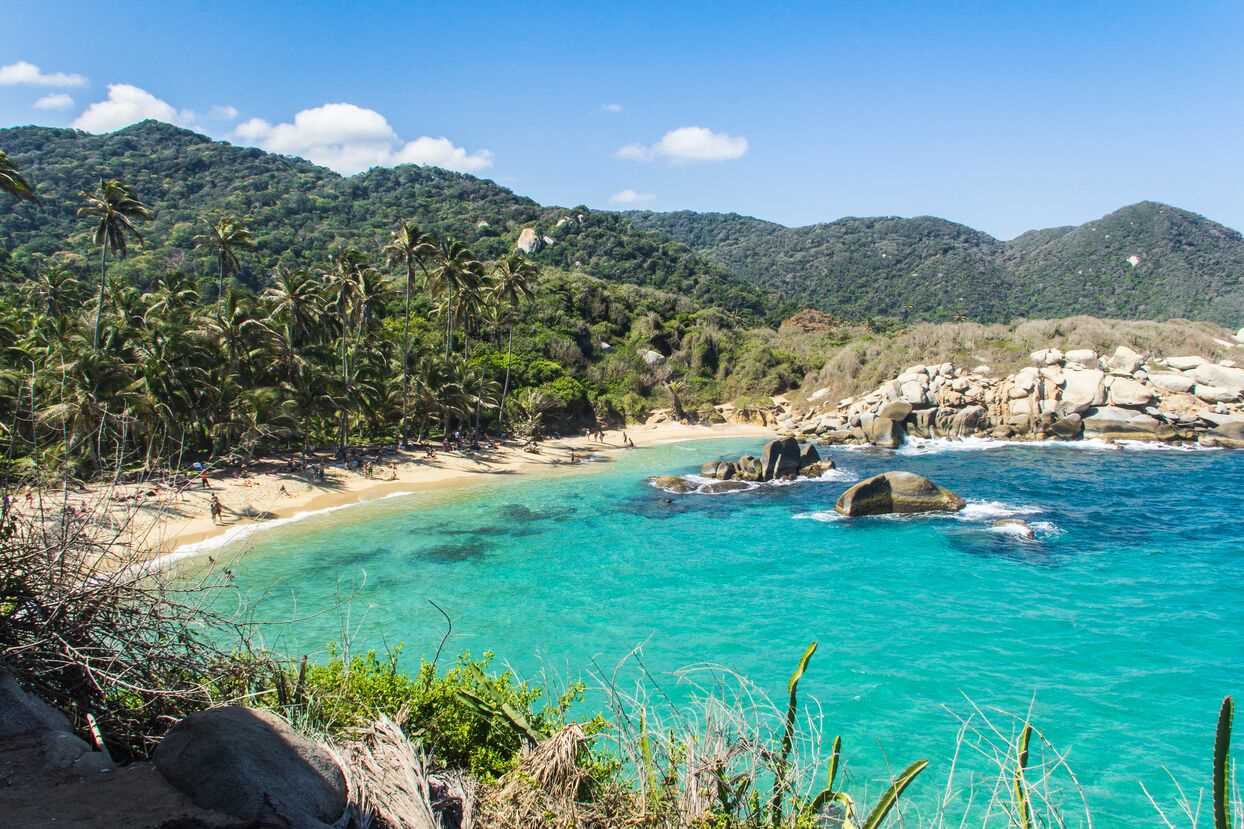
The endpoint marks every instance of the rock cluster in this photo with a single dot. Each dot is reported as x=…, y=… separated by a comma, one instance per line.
x=779, y=460
x=1079, y=393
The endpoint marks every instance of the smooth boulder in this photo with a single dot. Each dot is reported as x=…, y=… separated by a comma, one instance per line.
x=897, y=492
x=673, y=483
x=779, y=459
x=251, y=764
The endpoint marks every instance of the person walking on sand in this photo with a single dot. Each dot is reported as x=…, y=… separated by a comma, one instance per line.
x=218, y=511
x=203, y=484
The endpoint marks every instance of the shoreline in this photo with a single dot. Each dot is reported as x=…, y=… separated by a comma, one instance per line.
x=174, y=527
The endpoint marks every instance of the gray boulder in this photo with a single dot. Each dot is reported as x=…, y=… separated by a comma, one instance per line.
x=1187, y=363
x=779, y=459
x=1083, y=389
x=252, y=765
x=895, y=410
x=1127, y=392
x=1223, y=377
x=897, y=492
x=38, y=739
x=1069, y=427
x=1124, y=361
x=1172, y=381
x=885, y=433
x=1114, y=423
x=809, y=456
x=749, y=469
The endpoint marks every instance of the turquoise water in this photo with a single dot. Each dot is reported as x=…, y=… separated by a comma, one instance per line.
x=1120, y=626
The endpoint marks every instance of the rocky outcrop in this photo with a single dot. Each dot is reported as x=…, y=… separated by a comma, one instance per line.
x=529, y=241
x=252, y=765
x=780, y=459
x=1120, y=395
x=897, y=492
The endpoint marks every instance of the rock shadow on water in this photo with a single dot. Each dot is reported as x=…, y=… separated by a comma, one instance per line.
x=454, y=553
x=520, y=513
x=984, y=541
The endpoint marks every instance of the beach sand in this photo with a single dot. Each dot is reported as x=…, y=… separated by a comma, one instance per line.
x=159, y=520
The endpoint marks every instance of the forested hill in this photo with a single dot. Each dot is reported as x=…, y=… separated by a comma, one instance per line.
x=300, y=213
x=1144, y=261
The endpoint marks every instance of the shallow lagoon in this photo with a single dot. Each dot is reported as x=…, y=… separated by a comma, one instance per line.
x=1120, y=626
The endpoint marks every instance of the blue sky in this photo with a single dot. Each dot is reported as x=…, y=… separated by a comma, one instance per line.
x=1003, y=116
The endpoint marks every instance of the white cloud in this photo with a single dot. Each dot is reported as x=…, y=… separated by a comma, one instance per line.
x=631, y=197
x=23, y=73
x=222, y=112
x=441, y=152
x=611, y=107
x=688, y=144
x=127, y=105
x=350, y=139
x=57, y=101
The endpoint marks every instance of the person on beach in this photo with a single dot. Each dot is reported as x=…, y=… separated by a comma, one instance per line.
x=203, y=484
x=218, y=511
x=285, y=491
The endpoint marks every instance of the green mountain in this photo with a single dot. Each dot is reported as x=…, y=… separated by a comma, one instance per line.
x=927, y=268
x=923, y=268
x=300, y=212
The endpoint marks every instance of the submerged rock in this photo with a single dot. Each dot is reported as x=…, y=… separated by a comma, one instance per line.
x=897, y=492
x=673, y=483
x=1016, y=527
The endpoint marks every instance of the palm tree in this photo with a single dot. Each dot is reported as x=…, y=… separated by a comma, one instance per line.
x=457, y=275
x=114, y=207
x=11, y=180
x=408, y=246
x=512, y=279
x=224, y=238
x=294, y=302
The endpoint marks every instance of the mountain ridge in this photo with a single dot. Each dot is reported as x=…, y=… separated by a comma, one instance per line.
x=1185, y=265
x=917, y=268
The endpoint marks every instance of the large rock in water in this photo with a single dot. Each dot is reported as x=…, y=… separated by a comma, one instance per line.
x=779, y=459
x=252, y=765
x=897, y=492
x=884, y=432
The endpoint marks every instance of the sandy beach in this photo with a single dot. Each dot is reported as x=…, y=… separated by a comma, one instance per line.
x=162, y=521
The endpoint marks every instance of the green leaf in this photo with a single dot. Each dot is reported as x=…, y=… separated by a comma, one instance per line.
x=1222, y=766
x=892, y=794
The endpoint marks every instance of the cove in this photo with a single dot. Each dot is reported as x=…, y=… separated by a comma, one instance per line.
x=1119, y=626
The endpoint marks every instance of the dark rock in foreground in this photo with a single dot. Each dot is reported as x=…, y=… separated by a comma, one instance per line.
x=897, y=492
x=252, y=765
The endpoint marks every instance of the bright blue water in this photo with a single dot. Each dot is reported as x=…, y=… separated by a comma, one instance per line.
x=1120, y=625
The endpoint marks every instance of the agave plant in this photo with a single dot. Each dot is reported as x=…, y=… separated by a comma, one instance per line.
x=1222, y=766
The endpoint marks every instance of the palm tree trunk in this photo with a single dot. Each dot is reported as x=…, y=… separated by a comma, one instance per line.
x=505, y=389
x=406, y=352
x=103, y=274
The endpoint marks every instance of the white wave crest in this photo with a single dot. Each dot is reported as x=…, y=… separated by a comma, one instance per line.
x=994, y=510
x=825, y=516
